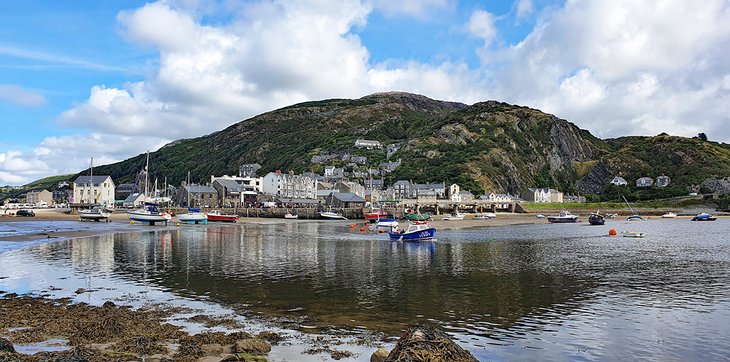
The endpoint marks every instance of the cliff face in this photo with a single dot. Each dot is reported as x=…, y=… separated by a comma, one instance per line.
x=488, y=146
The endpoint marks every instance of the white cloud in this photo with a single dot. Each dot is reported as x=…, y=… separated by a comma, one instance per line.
x=22, y=97
x=414, y=8
x=481, y=25
x=524, y=8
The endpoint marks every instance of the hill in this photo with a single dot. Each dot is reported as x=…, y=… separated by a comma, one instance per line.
x=487, y=146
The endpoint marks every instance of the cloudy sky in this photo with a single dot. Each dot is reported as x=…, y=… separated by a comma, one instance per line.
x=111, y=79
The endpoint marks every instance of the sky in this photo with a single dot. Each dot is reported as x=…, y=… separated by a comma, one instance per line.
x=112, y=79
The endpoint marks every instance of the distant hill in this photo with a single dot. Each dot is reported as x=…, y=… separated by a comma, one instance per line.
x=488, y=146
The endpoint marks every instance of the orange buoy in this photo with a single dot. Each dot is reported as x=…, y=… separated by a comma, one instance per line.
x=352, y=226
x=362, y=228
x=381, y=231
x=612, y=232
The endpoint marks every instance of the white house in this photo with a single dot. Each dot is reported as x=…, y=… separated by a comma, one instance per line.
x=369, y=144
x=454, y=193
x=93, y=190
x=663, y=181
x=543, y=195
x=289, y=185
x=644, y=182
x=619, y=181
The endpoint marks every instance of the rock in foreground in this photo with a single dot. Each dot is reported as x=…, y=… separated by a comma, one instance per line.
x=422, y=342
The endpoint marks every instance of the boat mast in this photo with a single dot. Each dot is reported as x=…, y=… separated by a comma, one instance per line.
x=146, y=174
x=91, y=181
x=629, y=205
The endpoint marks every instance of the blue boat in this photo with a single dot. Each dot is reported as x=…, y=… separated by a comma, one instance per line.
x=704, y=217
x=419, y=231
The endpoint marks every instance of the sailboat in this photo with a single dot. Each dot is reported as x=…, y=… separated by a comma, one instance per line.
x=194, y=215
x=634, y=216
x=149, y=213
x=93, y=213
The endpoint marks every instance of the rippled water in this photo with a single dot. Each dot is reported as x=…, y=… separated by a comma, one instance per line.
x=544, y=291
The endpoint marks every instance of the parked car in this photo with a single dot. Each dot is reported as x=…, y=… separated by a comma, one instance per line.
x=24, y=212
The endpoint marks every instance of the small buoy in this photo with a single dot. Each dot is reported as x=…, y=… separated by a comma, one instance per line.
x=381, y=231
x=131, y=222
x=352, y=226
x=612, y=232
x=362, y=228
x=178, y=224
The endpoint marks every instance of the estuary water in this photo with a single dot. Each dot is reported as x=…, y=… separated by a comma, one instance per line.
x=543, y=291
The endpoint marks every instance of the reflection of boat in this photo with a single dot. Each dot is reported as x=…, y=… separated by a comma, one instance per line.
x=216, y=216
x=332, y=215
x=289, y=215
x=194, y=216
x=149, y=214
x=454, y=216
x=704, y=217
x=632, y=234
x=564, y=217
x=669, y=215
x=97, y=213
x=595, y=218
x=418, y=231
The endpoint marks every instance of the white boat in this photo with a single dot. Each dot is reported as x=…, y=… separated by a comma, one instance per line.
x=634, y=216
x=387, y=224
x=332, y=215
x=610, y=216
x=540, y=216
x=149, y=214
x=481, y=217
x=97, y=213
x=563, y=217
x=193, y=216
x=290, y=216
x=632, y=234
x=454, y=216
x=669, y=215
x=417, y=231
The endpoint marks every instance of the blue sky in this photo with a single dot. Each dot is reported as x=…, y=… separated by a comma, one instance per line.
x=111, y=79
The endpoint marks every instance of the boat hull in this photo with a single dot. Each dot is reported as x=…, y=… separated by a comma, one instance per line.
x=704, y=218
x=222, y=218
x=416, y=236
x=93, y=216
x=291, y=217
x=563, y=220
x=149, y=218
x=331, y=216
x=193, y=219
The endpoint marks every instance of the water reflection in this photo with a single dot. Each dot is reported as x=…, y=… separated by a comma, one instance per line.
x=517, y=288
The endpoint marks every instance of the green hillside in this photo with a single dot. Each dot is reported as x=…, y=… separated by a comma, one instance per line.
x=488, y=146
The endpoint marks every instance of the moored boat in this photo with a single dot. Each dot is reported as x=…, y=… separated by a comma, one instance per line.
x=669, y=215
x=563, y=217
x=149, y=214
x=595, y=218
x=331, y=215
x=376, y=214
x=454, y=216
x=387, y=223
x=217, y=216
x=418, y=217
x=193, y=216
x=632, y=234
x=418, y=231
x=290, y=216
x=97, y=213
x=635, y=217
x=704, y=217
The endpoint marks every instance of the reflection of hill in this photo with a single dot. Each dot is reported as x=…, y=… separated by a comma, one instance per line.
x=310, y=271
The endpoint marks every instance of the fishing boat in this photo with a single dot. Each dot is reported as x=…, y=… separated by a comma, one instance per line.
x=634, y=216
x=149, y=214
x=632, y=234
x=290, y=216
x=704, y=217
x=563, y=217
x=481, y=217
x=97, y=213
x=331, y=215
x=417, y=231
x=454, y=216
x=595, y=218
x=217, y=216
x=193, y=216
x=376, y=214
x=669, y=215
x=387, y=223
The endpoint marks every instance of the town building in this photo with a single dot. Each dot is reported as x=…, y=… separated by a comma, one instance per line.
x=391, y=149
x=196, y=196
x=230, y=192
x=289, y=185
x=134, y=200
x=574, y=199
x=663, y=181
x=249, y=170
x=40, y=197
x=546, y=195
x=437, y=190
x=619, y=181
x=124, y=190
x=345, y=199
x=368, y=144
x=466, y=196
x=454, y=193
x=61, y=196
x=402, y=189
x=93, y=190
x=351, y=187
x=644, y=182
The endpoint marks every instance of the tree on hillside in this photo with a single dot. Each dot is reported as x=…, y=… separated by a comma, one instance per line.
x=702, y=136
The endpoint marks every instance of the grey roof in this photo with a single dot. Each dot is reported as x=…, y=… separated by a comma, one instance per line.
x=298, y=201
x=88, y=179
x=231, y=185
x=347, y=197
x=133, y=197
x=199, y=189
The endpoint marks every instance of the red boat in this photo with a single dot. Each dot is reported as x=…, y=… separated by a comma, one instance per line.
x=215, y=215
x=376, y=214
